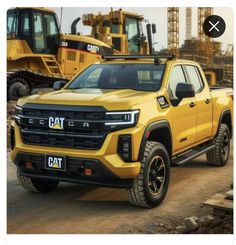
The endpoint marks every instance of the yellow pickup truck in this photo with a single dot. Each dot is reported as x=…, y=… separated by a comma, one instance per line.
x=123, y=123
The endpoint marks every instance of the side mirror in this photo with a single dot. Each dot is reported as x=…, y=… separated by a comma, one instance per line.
x=185, y=90
x=59, y=84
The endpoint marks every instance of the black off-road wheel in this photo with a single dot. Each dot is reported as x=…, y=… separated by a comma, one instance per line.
x=151, y=185
x=37, y=185
x=220, y=154
x=17, y=87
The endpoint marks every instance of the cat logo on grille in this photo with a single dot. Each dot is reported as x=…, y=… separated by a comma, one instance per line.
x=56, y=122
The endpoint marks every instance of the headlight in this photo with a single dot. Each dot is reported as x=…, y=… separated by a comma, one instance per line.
x=18, y=113
x=128, y=118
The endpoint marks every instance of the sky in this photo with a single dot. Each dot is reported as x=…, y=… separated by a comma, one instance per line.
x=154, y=15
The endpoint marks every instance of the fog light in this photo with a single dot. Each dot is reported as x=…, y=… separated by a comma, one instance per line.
x=29, y=165
x=125, y=147
x=88, y=171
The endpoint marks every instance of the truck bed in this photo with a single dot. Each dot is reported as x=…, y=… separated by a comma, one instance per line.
x=219, y=88
x=221, y=91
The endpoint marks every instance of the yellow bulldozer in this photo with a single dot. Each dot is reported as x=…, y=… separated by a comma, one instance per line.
x=38, y=54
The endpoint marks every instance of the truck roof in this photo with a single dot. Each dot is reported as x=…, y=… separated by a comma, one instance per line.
x=35, y=8
x=148, y=59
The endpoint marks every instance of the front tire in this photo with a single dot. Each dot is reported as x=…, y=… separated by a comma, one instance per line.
x=220, y=154
x=17, y=88
x=36, y=185
x=151, y=185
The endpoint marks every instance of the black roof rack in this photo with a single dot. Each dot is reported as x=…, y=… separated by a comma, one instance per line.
x=127, y=57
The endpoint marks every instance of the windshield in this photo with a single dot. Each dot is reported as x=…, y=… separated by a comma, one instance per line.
x=147, y=77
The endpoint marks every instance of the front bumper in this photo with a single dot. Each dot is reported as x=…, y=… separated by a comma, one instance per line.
x=106, y=157
x=74, y=172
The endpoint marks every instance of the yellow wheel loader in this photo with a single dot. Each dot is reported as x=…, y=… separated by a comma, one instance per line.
x=122, y=30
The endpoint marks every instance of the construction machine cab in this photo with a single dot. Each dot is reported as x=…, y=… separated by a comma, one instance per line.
x=121, y=29
x=214, y=76
x=124, y=24
x=37, y=26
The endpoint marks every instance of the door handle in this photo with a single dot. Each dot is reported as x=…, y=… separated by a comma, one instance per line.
x=192, y=104
x=207, y=101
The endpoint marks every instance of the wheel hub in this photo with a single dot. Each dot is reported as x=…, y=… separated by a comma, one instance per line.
x=156, y=175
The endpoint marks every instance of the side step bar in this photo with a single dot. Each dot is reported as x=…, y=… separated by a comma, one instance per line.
x=191, y=154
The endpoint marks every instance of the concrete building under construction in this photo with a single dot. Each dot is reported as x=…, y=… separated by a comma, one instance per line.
x=203, y=49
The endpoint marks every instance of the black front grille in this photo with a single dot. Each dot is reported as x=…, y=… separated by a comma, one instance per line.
x=35, y=126
x=62, y=139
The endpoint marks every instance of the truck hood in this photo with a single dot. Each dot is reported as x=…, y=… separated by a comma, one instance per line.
x=111, y=99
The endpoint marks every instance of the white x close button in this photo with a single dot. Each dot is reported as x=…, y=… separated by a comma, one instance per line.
x=214, y=26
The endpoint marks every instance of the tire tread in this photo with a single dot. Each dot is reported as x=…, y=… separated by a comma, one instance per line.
x=214, y=155
x=136, y=192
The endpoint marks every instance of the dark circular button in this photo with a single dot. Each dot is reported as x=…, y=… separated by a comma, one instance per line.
x=214, y=26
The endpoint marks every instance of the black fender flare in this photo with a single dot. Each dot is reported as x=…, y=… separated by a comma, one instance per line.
x=151, y=127
x=223, y=113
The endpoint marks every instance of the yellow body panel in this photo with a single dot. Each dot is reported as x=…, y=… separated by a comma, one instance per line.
x=204, y=115
x=198, y=124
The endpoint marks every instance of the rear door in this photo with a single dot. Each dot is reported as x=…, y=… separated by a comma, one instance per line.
x=183, y=112
x=203, y=102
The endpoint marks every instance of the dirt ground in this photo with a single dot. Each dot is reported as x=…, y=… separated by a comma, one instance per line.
x=80, y=209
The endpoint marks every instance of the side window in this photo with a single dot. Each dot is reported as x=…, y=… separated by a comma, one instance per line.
x=131, y=29
x=51, y=25
x=39, y=40
x=25, y=24
x=194, y=77
x=12, y=24
x=176, y=76
x=114, y=28
x=52, y=34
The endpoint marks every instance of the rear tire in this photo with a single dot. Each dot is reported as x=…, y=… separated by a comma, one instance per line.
x=151, y=185
x=220, y=154
x=37, y=185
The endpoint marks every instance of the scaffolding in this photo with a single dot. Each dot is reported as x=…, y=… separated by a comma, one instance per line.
x=202, y=49
x=205, y=48
x=229, y=50
x=173, y=31
x=188, y=23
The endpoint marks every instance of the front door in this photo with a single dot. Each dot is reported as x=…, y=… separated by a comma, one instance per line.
x=183, y=113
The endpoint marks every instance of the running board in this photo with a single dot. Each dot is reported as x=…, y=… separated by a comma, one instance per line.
x=191, y=154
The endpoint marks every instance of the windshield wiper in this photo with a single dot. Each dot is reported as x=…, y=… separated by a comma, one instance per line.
x=119, y=88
